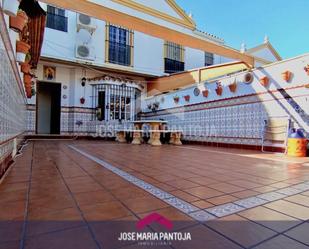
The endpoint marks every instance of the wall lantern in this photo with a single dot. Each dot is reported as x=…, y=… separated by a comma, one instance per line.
x=84, y=81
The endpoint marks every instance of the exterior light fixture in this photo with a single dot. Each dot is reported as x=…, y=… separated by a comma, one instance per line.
x=84, y=81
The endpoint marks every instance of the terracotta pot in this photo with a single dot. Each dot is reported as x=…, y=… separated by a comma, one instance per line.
x=10, y=7
x=25, y=68
x=187, y=98
x=264, y=81
x=22, y=47
x=286, y=76
x=176, y=99
x=205, y=93
x=82, y=101
x=219, y=90
x=27, y=79
x=233, y=87
x=28, y=92
x=17, y=23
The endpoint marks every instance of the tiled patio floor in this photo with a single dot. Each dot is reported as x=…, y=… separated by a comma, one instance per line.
x=84, y=196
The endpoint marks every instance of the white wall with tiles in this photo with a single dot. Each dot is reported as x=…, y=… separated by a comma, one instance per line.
x=238, y=117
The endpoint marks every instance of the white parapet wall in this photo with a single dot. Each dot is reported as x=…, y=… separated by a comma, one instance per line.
x=237, y=117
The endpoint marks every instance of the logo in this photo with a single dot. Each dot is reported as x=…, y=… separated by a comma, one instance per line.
x=154, y=238
x=152, y=218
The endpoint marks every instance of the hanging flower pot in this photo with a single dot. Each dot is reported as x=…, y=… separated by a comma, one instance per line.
x=82, y=100
x=306, y=68
x=286, y=76
x=27, y=79
x=233, y=87
x=187, y=98
x=205, y=93
x=10, y=7
x=17, y=23
x=28, y=92
x=176, y=99
x=264, y=81
x=219, y=89
x=25, y=68
x=22, y=48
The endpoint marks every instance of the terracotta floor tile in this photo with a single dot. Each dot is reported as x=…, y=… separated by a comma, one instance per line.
x=299, y=199
x=245, y=193
x=300, y=233
x=12, y=210
x=264, y=189
x=245, y=184
x=105, y=211
x=305, y=193
x=202, y=204
x=269, y=218
x=144, y=204
x=280, y=185
x=203, y=192
x=222, y=199
x=290, y=209
x=182, y=184
x=204, y=181
x=241, y=230
x=78, y=238
x=129, y=193
x=281, y=242
x=203, y=237
x=164, y=187
x=225, y=187
x=93, y=197
x=184, y=196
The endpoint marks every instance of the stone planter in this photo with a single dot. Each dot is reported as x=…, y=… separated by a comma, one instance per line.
x=10, y=7
x=17, y=23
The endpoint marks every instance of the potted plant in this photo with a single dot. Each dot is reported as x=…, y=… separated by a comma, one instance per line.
x=264, y=81
x=156, y=105
x=25, y=67
x=149, y=106
x=10, y=7
x=176, y=99
x=17, y=23
x=286, y=76
x=233, y=87
x=27, y=79
x=82, y=100
x=33, y=92
x=22, y=48
x=219, y=89
x=28, y=92
x=205, y=93
x=306, y=68
x=187, y=98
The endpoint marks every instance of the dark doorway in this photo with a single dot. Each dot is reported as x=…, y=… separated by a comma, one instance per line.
x=48, y=108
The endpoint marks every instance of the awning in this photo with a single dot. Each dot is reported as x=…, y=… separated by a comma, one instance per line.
x=179, y=80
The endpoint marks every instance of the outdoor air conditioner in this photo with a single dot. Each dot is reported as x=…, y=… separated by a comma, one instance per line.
x=85, y=52
x=86, y=22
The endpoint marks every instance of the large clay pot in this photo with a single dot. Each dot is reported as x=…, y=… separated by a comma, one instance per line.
x=25, y=68
x=205, y=93
x=264, y=81
x=10, y=7
x=17, y=23
x=286, y=76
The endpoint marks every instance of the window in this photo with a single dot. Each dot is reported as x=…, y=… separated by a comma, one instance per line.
x=174, y=57
x=114, y=102
x=209, y=59
x=56, y=19
x=119, y=45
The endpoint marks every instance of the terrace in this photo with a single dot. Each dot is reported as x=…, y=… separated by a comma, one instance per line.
x=83, y=194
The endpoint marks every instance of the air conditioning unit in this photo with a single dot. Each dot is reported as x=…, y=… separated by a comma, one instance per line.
x=85, y=52
x=86, y=22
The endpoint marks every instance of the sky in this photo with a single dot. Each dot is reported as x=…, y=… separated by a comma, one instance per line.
x=285, y=22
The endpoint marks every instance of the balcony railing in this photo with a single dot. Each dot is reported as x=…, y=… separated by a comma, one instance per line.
x=172, y=66
x=57, y=22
